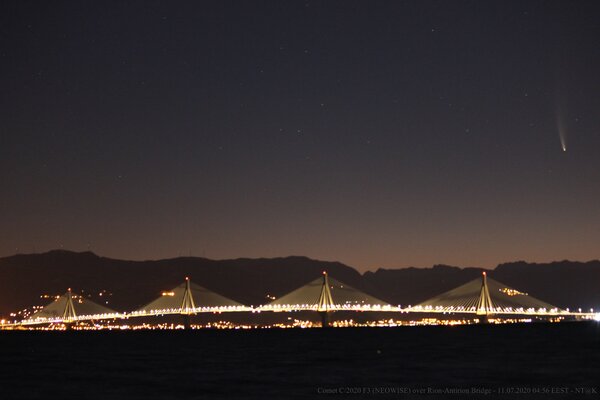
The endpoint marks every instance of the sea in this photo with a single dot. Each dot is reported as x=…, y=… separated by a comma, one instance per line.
x=529, y=360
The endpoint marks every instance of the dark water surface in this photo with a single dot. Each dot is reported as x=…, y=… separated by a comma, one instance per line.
x=523, y=361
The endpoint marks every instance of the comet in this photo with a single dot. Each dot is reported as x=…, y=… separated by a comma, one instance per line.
x=562, y=135
x=562, y=128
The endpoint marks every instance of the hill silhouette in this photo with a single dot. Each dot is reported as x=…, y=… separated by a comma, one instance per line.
x=24, y=277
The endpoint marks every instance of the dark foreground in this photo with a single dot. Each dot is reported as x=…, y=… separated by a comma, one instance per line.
x=523, y=361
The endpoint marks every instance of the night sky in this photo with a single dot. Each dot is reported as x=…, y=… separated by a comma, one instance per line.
x=376, y=133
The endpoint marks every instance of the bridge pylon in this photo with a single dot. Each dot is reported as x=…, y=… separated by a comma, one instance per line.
x=485, y=307
x=325, y=304
x=188, y=305
x=69, y=315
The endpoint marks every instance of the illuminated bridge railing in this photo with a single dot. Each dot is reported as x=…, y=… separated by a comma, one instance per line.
x=197, y=310
x=494, y=310
x=335, y=307
x=57, y=320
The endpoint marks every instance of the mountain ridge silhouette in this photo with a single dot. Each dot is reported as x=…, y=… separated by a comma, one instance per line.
x=25, y=277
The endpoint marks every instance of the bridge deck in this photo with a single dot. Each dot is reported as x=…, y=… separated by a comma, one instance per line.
x=292, y=308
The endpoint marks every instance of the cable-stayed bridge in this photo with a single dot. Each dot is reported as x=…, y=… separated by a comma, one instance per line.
x=482, y=297
x=326, y=294
x=189, y=298
x=486, y=296
x=69, y=309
